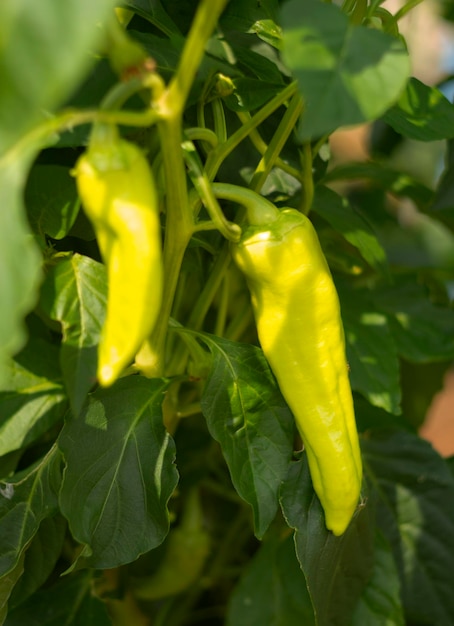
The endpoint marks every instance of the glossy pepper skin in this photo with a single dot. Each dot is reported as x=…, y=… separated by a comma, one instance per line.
x=118, y=193
x=298, y=320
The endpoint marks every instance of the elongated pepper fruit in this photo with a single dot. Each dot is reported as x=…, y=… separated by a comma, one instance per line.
x=299, y=326
x=118, y=192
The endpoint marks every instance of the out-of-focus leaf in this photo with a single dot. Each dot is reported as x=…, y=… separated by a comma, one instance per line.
x=379, y=176
x=422, y=113
x=371, y=350
x=347, y=74
x=423, y=331
x=70, y=601
x=20, y=260
x=44, y=55
x=272, y=591
x=416, y=514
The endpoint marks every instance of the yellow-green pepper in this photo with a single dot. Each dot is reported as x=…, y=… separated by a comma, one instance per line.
x=299, y=326
x=118, y=192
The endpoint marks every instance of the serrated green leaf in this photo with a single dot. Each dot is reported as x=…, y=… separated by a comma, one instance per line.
x=422, y=113
x=347, y=74
x=120, y=464
x=336, y=568
x=32, y=396
x=248, y=416
x=25, y=501
x=272, y=591
x=371, y=350
x=51, y=200
x=380, y=603
x=352, y=225
x=423, y=331
x=416, y=514
x=74, y=293
x=70, y=602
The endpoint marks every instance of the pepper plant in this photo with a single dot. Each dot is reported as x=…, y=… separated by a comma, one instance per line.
x=176, y=490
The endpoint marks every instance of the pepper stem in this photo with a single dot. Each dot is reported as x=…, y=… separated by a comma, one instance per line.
x=259, y=209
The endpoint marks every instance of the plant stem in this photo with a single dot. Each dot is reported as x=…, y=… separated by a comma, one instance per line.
x=179, y=229
x=262, y=147
x=203, y=25
x=283, y=131
x=220, y=153
x=66, y=120
x=179, y=217
x=411, y=4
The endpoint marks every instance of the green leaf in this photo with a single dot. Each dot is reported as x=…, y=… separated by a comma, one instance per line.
x=336, y=568
x=269, y=32
x=153, y=11
x=32, y=396
x=371, y=417
x=371, y=350
x=40, y=558
x=258, y=65
x=119, y=463
x=251, y=94
x=243, y=15
x=346, y=220
x=45, y=56
x=272, y=591
x=20, y=259
x=423, y=331
x=69, y=602
x=7, y=583
x=419, y=241
x=444, y=196
x=422, y=113
x=420, y=384
x=74, y=294
x=248, y=416
x=380, y=603
x=51, y=200
x=416, y=513
x=24, y=502
x=347, y=74
x=383, y=177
